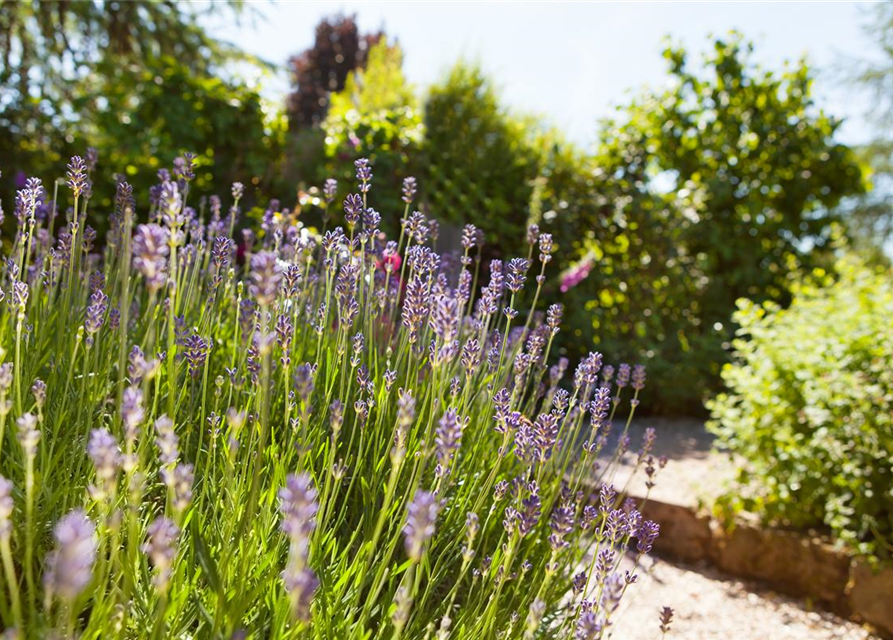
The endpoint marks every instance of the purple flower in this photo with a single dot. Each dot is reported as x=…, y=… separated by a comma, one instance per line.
x=529, y=513
x=184, y=166
x=353, y=208
x=77, y=175
x=196, y=353
x=69, y=566
x=517, y=270
x=623, y=374
x=562, y=524
x=420, y=523
x=415, y=306
x=39, y=391
x=666, y=617
x=161, y=547
x=7, y=506
x=167, y=441
x=588, y=627
x=297, y=503
x=28, y=434
x=222, y=251
x=638, y=377
x=106, y=455
x=579, y=583
x=92, y=158
x=181, y=481
x=301, y=585
x=448, y=437
x=646, y=535
x=405, y=408
x=132, y=412
x=266, y=276
x=545, y=247
x=417, y=227
x=545, y=431
x=599, y=407
x=329, y=188
x=171, y=205
x=409, y=189
x=303, y=381
x=364, y=173
x=150, y=251
x=99, y=303
x=469, y=235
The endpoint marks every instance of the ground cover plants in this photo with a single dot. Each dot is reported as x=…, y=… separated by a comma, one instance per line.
x=212, y=432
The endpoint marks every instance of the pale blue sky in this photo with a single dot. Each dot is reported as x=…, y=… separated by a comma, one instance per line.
x=572, y=62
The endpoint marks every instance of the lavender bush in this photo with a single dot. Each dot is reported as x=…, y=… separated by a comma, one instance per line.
x=285, y=434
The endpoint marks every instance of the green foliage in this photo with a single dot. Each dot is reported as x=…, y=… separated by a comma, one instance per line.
x=145, y=120
x=810, y=406
x=375, y=116
x=380, y=86
x=83, y=51
x=479, y=161
x=715, y=189
x=641, y=299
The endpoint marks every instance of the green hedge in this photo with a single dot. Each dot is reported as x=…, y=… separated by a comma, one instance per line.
x=810, y=407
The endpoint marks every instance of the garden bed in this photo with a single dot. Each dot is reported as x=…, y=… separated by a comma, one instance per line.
x=800, y=564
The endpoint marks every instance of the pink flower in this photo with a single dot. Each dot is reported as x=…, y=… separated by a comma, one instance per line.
x=576, y=274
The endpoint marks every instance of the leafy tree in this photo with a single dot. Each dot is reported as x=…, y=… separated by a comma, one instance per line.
x=168, y=109
x=51, y=52
x=375, y=116
x=323, y=69
x=140, y=81
x=317, y=73
x=480, y=163
x=715, y=189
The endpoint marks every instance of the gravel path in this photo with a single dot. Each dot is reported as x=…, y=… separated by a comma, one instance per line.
x=710, y=606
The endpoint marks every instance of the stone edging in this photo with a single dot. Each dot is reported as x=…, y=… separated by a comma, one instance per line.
x=788, y=562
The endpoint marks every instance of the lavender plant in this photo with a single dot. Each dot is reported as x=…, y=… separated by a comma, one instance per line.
x=313, y=436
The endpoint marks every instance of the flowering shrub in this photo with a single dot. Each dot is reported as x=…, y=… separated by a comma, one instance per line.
x=295, y=436
x=809, y=407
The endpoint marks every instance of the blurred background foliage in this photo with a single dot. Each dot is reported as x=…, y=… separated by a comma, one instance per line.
x=726, y=184
x=141, y=82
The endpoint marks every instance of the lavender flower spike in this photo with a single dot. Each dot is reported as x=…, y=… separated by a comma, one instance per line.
x=420, y=523
x=70, y=565
x=161, y=547
x=105, y=454
x=266, y=276
x=297, y=502
x=7, y=506
x=448, y=438
x=364, y=174
x=77, y=175
x=150, y=251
